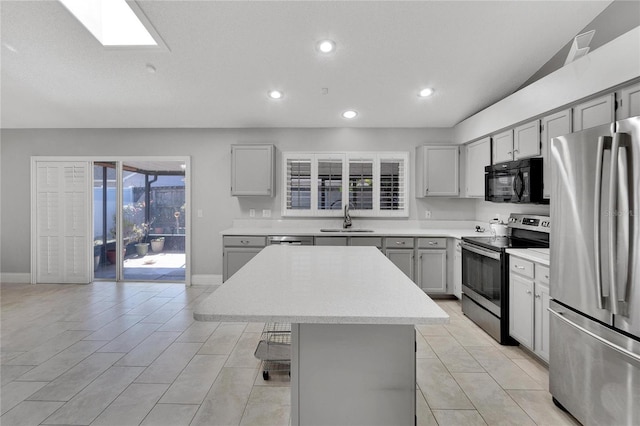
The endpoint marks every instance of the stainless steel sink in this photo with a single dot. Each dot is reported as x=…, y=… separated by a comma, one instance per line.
x=348, y=230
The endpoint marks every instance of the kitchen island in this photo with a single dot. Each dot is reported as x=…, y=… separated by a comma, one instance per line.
x=353, y=338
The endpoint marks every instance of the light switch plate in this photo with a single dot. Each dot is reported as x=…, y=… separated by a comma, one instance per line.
x=252, y=212
x=266, y=213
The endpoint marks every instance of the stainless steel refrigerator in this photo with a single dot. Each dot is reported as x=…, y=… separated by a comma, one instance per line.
x=594, y=362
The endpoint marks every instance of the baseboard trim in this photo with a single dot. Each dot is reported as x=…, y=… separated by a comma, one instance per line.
x=19, y=278
x=206, y=279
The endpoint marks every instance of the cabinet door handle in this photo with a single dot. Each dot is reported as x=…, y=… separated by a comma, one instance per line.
x=433, y=243
x=537, y=296
x=518, y=267
x=546, y=276
x=528, y=291
x=400, y=243
x=245, y=242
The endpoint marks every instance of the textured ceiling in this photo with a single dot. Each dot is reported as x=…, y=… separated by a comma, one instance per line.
x=223, y=57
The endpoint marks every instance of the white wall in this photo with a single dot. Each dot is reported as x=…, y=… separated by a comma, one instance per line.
x=210, y=153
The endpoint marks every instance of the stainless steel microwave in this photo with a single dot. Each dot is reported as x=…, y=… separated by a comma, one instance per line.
x=515, y=182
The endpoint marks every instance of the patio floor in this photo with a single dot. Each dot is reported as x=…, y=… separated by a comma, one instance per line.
x=165, y=266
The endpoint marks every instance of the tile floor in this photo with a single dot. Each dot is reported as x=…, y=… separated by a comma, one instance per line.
x=131, y=354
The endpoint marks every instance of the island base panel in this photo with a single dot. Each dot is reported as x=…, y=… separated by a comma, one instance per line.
x=359, y=374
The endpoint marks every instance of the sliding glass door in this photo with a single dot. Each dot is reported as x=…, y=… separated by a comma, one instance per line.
x=144, y=239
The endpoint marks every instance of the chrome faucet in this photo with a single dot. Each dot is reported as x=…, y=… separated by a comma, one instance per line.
x=347, y=218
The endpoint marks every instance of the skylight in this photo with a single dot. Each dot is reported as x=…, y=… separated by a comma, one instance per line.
x=112, y=22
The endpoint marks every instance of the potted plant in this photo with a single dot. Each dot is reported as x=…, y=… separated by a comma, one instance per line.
x=157, y=244
x=138, y=235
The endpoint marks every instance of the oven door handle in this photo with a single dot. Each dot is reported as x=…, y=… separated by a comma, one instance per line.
x=480, y=251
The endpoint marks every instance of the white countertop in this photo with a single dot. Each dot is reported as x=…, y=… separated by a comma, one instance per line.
x=539, y=255
x=452, y=229
x=315, y=284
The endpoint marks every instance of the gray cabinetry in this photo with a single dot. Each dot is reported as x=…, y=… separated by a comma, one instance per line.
x=400, y=251
x=502, y=148
x=237, y=251
x=628, y=99
x=477, y=158
x=432, y=265
x=437, y=171
x=252, y=170
x=331, y=241
x=366, y=241
x=552, y=126
x=528, y=305
x=457, y=269
x=593, y=113
x=526, y=140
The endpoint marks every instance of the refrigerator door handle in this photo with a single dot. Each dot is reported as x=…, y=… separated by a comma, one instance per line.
x=604, y=142
x=614, y=214
x=623, y=217
x=606, y=342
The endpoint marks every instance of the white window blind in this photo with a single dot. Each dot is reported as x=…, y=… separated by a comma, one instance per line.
x=374, y=184
x=298, y=184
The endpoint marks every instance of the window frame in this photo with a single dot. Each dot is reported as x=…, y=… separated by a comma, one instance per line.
x=376, y=158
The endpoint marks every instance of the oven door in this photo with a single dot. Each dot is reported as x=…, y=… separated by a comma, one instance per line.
x=482, y=276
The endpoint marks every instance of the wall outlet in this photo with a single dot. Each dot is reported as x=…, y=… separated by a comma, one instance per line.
x=427, y=214
x=266, y=213
x=200, y=214
x=252, y=212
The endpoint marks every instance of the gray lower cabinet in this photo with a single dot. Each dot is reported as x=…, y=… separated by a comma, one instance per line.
x=237, y=251
x=400, y=251
x=331, y=241
x=432, y=265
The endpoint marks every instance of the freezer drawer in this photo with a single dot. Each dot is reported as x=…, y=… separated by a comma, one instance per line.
x=594, y=371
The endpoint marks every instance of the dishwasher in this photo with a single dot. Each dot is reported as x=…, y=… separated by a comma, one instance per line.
x=274, y=347
x=294, y=240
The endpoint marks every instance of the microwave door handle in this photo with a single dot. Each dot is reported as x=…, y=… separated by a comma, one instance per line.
x=603, y=143
x=518, y=180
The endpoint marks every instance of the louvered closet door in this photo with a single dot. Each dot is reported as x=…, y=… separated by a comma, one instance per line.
x=62, y=222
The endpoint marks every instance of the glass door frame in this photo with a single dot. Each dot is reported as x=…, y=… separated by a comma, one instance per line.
x=120, y=161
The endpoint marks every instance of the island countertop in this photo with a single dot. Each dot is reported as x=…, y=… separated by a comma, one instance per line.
x=315, y=284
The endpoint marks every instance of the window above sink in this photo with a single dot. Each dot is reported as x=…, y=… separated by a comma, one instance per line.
x=374, y=184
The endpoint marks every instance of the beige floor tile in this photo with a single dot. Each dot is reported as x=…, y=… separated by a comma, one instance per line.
x=50, y=348
x=423, y=348
x=226, y=401
x=491, y=401
x=223, y=340
x=170, y=415
x=423, y=412
x=62, y=362
x=8, y=373
x=459, y=418
x=73, y=381
x=261, y=414
x=535, y=369
x=162, y=315
x=168, y=366
x=29, y=413
x=453, y=355
x=242, y=353
x=432, y=330
x=14, y=393
x=194, y=382
x=179, y=322
x=83, y=408
x=439, y=387
x=115, y=327
x=132, y=406
x=509, y=375
x=128, y=340
x=198, y=332
x=149, y=306
x=539, y=406
x=150, y=349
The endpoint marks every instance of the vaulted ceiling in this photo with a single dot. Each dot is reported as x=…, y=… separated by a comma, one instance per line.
x=223, y=56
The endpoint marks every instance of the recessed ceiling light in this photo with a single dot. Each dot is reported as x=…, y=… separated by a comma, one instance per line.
x=326, y=46
x=275, y=94
x=426, y=92
x=112, y=22
x=349, y=114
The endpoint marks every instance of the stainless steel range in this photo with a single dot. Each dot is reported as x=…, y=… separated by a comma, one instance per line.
x=485, y=272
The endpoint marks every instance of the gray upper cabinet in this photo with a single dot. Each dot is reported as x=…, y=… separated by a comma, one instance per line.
x=553, y=125
x=526, y=140
x=628, y=102
x=437, y=171
x=253, y=170
x=478, y=157
x=593, y=113
x=503, y=147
